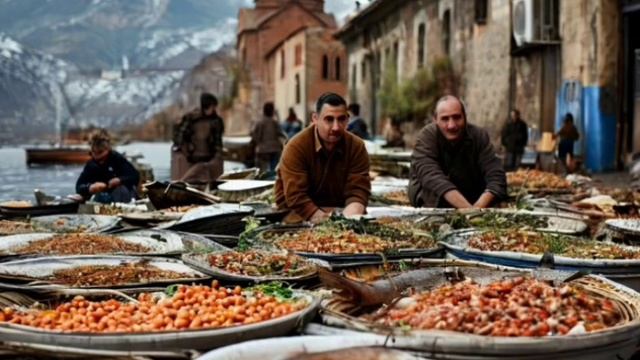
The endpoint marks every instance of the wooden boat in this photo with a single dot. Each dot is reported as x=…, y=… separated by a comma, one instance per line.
x=70, y=207
x=62, y=155
x=165, y=195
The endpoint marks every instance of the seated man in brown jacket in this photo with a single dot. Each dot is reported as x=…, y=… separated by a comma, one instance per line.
x=324, y=167
x=454, y=163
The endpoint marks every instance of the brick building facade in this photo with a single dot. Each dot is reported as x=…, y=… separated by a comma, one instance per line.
x=574, y=58
x=306, y=65
x=281, y=44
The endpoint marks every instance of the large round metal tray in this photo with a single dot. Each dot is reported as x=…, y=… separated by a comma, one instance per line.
x=160, y=242
x=625, y=226
x=222, y=219
x=557, y=223
x=75, y=223
x=39, y=270
x=199, y=261
x=456, y=345
x=166, y=340
x=436, y=252
x=456, y=244
x=286, y=348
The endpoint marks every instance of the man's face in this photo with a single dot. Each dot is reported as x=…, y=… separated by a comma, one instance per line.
x=210, y=110
x=514, y=116
x=100, y=154
x=331, y=123
x=450, y=119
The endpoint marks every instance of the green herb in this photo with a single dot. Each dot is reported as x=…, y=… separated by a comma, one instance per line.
x=403, y=326
x=244, y=240
x=404, y=266
x=171, y=289
x=276, y=289
x=556, y=244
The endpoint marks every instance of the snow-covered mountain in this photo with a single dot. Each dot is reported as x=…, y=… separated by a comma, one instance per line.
x=112, y=62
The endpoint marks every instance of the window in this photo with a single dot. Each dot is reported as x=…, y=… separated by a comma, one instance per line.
x=338, y=68
x=420, y=47
x=363, y=69
x=298, y=59
x=446, y=32
x=282, y=64
x=325, y=67
x=481, y=11
x=396, y=54
x=297, y=90
x=354, y=75
x=549, y=24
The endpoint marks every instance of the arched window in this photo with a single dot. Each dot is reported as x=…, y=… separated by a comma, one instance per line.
x=298, y=97
x=420, y=47
x=446, y=32
x=325, y=67
x=481, y=11
x=354, y=75
x=338, y=68
x=282, y=64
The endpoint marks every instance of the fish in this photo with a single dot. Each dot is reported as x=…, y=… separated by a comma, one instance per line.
x=386, y=290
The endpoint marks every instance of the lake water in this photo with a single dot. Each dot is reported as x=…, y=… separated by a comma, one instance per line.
x=17, y=180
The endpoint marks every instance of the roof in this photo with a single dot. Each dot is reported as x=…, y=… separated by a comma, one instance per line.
x=365, y=16
x=252, y=19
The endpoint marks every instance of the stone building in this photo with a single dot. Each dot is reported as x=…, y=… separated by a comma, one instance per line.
x=543, y=57
x=281, y=44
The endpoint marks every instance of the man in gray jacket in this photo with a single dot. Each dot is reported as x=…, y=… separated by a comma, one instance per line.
x=454, y=163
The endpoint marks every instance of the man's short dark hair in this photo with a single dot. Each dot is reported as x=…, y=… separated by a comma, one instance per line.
x=354, y=108
x=330, y=98
x=207, y=100
x=268, y=109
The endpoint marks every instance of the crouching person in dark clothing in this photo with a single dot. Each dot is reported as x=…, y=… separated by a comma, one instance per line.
x=108, y=176
x=454, y=164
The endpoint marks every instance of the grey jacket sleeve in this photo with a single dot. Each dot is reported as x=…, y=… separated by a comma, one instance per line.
x=491, y=167
x=426, y=167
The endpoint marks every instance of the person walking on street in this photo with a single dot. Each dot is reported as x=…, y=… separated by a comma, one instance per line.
x=515, y=135
x=108, y=177
x=268, y=138
x=568, y=135
x=454, y=164
x=199, y=139
x=357, y=125
x=292, y=125
x=324, y=167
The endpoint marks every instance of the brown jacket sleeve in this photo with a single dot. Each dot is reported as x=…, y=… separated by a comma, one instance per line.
x=491, y=166
x=426, y=167
x=358, y=186
x=295, y=182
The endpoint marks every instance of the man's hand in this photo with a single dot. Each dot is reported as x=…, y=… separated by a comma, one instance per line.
x=319, y=216
x=456, y=199
x=354, y=208
x=114, y=183
x=484, y=201
x=97, y=187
